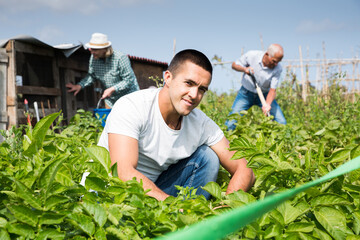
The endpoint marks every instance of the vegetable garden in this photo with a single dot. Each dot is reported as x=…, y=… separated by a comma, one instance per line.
x=41, y=168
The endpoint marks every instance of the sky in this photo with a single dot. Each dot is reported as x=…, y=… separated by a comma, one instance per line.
x=149, y=28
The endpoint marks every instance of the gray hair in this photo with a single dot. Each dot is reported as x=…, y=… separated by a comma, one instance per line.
x=109, y=51
x=275, y=48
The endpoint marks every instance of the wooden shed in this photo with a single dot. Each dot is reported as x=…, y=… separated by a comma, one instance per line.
x=33, y=70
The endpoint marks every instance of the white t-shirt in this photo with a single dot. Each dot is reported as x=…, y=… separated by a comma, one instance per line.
x=138, y=115
x=266, y=77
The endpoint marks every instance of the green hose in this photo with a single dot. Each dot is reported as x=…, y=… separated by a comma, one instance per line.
x=218, y=227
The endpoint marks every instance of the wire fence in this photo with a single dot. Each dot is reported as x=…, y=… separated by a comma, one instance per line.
x=316, y=74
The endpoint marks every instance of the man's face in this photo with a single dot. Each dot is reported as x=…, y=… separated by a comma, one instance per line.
x=272, y=62
x=187, y=87
x=98, y=53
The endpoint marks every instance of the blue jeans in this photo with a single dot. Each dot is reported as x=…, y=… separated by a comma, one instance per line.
x=245, y=99
x=195, y=171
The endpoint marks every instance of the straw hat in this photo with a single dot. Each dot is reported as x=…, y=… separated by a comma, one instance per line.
x=98, y=41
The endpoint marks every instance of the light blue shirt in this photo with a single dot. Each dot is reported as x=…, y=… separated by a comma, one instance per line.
x=266, y=77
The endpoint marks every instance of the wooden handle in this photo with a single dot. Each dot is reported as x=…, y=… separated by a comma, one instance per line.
x=262, y=99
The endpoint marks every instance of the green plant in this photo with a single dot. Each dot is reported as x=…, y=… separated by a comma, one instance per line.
x=41, y=169
x=158, y=81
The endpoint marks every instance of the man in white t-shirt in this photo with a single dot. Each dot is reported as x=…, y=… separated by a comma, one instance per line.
x=160, y=137
x=267, y=70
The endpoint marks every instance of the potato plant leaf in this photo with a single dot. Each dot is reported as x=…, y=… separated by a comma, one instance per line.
x=322, y=234
x=83, y=222
x=261, y=159
x=95, y=183
x=27, y=194
x=244, y=153
x=48, y=175
x=21, y=229
x=101, y=155
x=39, y=132
x=3, y=222
x=50, y=233
x=100, y=234
x=273, y=231
x=356, y=223
x=51, y=218
x=54, y=200
x=355, y=152
x=114, y=214
x=241, y=196
x=333, y=124
x=306, y=227
x=23, y=214
x=240, y=143
x=214, y=189
x=4, y=235
x=328, y=199
x=339, y=156
x=289, y=212
x=96, y=211
x=333, y=221
x=64, y=176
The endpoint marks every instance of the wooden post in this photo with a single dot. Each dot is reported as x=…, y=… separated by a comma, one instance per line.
x=325, y=82
x=56, y=80
x=262, y=43
x=289, y=74
x=318, y=77
x=42, y=109
x=11, y=89
x=353, y=83
x=307, y=81
x=3, y=74
x=304, y=87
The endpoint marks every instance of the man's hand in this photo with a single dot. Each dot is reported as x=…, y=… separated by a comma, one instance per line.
x=108, y=92
x=269, y=99
x=266, y=108
x=73, y=88
x=249, y=70
x=242, y=177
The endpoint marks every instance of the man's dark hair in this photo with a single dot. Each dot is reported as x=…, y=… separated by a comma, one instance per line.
x=191, y=55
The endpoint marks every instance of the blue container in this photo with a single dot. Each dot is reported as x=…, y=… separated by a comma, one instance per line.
x=102, y=114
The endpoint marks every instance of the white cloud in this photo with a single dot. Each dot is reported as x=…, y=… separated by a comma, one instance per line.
x=325, y=25
x=81, y=6
x=50, y=34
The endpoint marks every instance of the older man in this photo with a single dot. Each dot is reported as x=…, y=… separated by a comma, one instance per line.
x=267, y=70
x=111, y=68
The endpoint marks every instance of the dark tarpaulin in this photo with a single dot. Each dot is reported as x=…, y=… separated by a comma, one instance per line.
x=66, y=49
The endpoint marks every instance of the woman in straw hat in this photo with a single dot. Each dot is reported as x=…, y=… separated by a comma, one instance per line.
x=110, y=67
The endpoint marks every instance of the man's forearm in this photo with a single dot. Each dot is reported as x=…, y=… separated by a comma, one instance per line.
x=238, y=68
x=242, y=179
x=271, y=96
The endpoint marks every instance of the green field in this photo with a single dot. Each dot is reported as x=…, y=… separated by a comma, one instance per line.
x=41, y=167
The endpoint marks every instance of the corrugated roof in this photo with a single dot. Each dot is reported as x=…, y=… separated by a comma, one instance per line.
x=68, y=49
x=140, y=59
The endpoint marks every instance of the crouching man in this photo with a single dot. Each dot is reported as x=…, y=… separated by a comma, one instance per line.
x=160, y=137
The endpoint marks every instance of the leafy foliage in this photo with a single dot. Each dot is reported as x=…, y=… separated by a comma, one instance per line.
x=41, y=169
